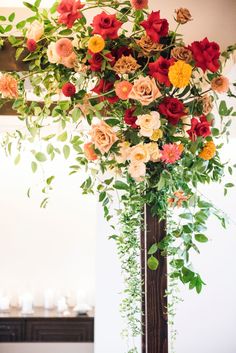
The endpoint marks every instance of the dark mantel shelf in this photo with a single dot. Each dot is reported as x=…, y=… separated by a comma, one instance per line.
x=46, y=326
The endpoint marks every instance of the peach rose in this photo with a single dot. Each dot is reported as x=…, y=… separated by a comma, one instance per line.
x=124, y=152
x=220, y=84
x=137, y=170
x=154, y=151
x=53, y=57
x=64, y=47
x=35, y=31
x=8, y=86
x=103, y=136
x=145, y=90
x=89, y=152
x=148, y=123
x=139, y=153
x=70, y=62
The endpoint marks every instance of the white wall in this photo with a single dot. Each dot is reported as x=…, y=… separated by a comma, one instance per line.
x=206, y=322
x=45, y=248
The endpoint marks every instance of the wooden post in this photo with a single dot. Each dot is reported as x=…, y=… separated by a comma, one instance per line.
x=155, y=326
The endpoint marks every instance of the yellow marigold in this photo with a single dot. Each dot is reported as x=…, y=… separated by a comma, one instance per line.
x=208, y=151
x=157, y=134
x=180, y=73
x=96, y=44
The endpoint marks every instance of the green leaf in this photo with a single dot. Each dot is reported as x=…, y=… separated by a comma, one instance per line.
x=120, y=185
x=76, y=115
x=62, y=137
x=19, y=51
x=12, y=17
x=40, y=157
x=229, y=185
x=50, y=179
x=3, y=18
x=30, y=6
x=201, y=238
x=66, y=151
x=17, y=159
x=8, y=28
x=153, y=263
x=34, y=166
x=21, y=24
x=102, y=196
x=188, y=275
x=186, y=216
x=65, y=32
x=37, y=3
x=112, y=122
x=53, y=9
x=153, y=249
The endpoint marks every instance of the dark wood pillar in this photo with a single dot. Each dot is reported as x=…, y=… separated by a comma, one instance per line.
x=155, y=325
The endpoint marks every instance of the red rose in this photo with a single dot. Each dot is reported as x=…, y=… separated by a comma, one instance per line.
x=155, y=26
x=97, y=60
x=130, y=118
x=160, y=68
x=105, y=87
x=31, y=45
x=199, y=128
x=68, y=89
x=69, y=12
x=118, y=52
x=106, y=25
x=206, y=55
x=173, y=109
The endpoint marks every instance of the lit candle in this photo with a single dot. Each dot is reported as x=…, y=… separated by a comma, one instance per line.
x=49, y=299
x=27, y=304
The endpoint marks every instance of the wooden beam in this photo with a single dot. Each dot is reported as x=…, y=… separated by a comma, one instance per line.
x=8, y=60
x=155, y=321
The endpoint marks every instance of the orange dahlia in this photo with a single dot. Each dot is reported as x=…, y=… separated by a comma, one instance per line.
x=123, y=89
x=208, y=151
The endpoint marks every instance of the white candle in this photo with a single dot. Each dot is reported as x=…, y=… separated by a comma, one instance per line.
x=61, y=305
x=4, y=303
x=80, y=297
x=49, y=299
x=27, y=304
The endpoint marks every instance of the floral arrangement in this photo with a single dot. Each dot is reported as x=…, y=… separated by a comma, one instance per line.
x=140, y=103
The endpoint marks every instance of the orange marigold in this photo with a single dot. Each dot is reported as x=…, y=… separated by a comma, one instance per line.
x=208, y=151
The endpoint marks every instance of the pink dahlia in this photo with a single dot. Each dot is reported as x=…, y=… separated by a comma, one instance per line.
x=170, y=153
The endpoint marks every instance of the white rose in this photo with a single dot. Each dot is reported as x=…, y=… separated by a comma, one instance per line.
x=139, y=153
x=53, y=57
x=154, y=151
x=137, y=170
x=35, y=31
x=148, y=123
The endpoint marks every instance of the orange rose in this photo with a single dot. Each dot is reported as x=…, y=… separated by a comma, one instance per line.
x=8, y=86
x=145, y=90
x=103, y=136
x=220, y=84
x=89, y=152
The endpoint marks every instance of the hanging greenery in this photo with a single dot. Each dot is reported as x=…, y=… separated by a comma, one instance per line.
x=134, y=102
